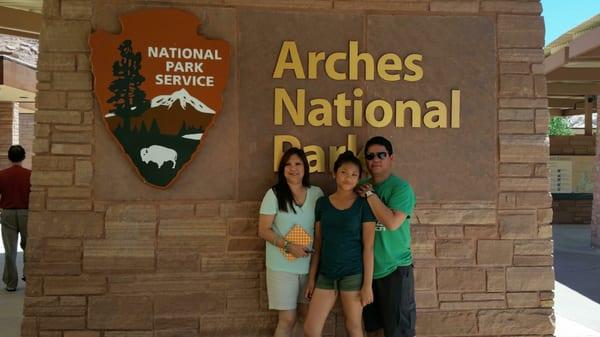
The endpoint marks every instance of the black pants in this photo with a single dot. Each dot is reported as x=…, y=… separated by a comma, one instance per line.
x=394, y=308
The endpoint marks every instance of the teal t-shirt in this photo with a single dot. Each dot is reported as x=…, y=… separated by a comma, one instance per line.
x=341, y=237
x=283, y=222
x=392, y=248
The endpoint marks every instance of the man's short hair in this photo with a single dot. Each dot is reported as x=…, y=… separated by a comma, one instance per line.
x=16, y=153
x=378, y=140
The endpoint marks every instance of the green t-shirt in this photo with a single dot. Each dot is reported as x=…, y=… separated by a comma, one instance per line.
x=341, y=237
x=392, y=248
x=283, y=222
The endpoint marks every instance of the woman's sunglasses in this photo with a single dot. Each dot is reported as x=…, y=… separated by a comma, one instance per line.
x=380, y=155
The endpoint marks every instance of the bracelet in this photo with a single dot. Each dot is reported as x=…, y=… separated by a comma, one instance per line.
x=285, y=246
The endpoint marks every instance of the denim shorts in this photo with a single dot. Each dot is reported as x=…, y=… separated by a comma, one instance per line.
x=346, y=283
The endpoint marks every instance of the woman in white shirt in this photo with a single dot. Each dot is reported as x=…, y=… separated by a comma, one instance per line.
x=290, y=202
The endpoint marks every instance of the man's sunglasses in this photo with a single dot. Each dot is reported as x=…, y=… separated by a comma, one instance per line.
x=380, y=155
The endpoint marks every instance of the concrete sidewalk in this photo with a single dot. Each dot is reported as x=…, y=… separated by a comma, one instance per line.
x=577, y=287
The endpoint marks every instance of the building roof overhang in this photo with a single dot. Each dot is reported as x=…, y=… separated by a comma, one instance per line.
x=572, y=68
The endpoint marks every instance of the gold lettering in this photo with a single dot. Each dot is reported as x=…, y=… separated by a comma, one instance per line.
x=341, y=104
x=387, y=113
x=336, y=151
x=321, y=115
x=330, y=66
x=410, y=63
x=437, y=118
x=278, y=148
x=415, y=110
x=358, y=107
x=289, y=48
x=384, y=68
x=316, y=158
x=355, y=58
x=295, y=111
x=455, y=123
x=313, y=63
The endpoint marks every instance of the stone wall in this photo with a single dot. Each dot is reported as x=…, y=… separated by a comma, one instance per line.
x=573, y=145
x=6, y=131
x=164, y=263
x=26, y=135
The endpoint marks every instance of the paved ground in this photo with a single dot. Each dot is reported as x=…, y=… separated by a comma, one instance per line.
x=577, y=288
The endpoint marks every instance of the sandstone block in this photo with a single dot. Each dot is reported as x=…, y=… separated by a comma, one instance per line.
x=521, y=55
x=83, y=62
x=75, y=285
x=62, y=323
x=73, y=149
x=461, y=279
x=424, y=278
x=239, y=210
x=447, y=323
x=540, y=86
x=446, y=217
x=65, y=224
x=473, y=305
x=52, y=163
x=426, y=299
x=189, y=304
x=56, y=62
x=42, y=130
x=243, y=300
x=51, y=178
x=382, y=5
x=449, y=232
x=128, y=334
x=516, y=127
x=238, y=245
x=54, y=268
x=518, y=226
x=249, y=324
x=505, y=322
x=34, y=286
x=50, y=100
x=454, y=249
x=84, y=171
x=449, y=297
x=481, y=232
x=542, y=119
x=192, y=227
x=70, y=192
x=164, y=323
x=541, y=170
x=29, y=327
x=37, y=200
x=506, y=200
x=496, y=280
x=524, y=184
x=72, y=81
x=516, y=114
x=468, y=6
x=243, y=227
x=533, y=247
x=177, y=259
x=120, y=312
x=540, y=103
x=536, y=260
x=515, y=170
x=534, y=200
x=483, y=297
x=41, y=145
x=523, y=300
x=516, y=85
x=54, y=311
x=505, y=6
x=530, y=278
x=520, y=31
x=80, y=9
x=523, y=148
x=71, y=137
x=209, y=209
x=65, y=36
x=544, y=216
x=55, y=204
x=73, y=300
x=494, y=252
x=233, y=264
x=113, y=255
x=176, y=211
x=514, y=68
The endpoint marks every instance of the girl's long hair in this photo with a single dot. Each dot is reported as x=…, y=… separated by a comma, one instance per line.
x=285, y=198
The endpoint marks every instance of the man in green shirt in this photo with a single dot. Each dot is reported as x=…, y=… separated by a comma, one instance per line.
x=392, y=201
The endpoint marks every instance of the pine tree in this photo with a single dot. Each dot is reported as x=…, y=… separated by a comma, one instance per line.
x=128, y=99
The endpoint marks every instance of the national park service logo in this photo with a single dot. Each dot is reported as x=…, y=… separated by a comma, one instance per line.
x=159, y=86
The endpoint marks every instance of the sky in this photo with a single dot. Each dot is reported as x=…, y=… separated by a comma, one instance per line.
x=562, y=15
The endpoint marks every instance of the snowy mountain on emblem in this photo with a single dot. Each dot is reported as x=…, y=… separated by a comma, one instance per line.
x=184, y=99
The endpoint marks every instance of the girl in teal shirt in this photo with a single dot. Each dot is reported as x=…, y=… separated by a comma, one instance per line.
x=343, y=258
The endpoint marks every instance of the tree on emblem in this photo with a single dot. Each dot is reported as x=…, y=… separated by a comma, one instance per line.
x=128, y=99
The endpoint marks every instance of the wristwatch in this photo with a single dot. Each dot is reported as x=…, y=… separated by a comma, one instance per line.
x=369, y=193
